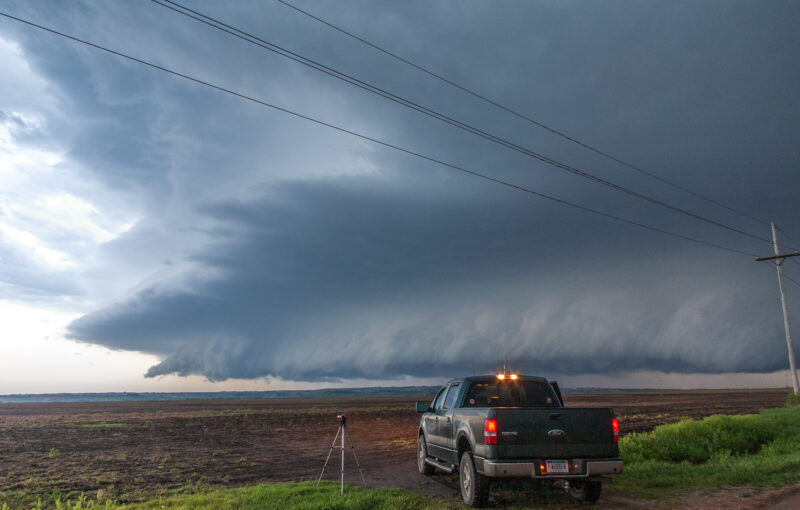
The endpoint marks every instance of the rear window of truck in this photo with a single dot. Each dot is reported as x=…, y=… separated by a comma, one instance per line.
x=498, y=393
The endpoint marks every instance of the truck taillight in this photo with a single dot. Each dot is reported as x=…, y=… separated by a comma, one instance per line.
x=490, y=432
x=615, y=429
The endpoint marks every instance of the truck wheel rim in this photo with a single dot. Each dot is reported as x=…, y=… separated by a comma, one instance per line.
x=420, y=455
x=466, y=480
x=577, y=492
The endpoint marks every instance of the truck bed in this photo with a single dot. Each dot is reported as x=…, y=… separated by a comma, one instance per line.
x=552, y=433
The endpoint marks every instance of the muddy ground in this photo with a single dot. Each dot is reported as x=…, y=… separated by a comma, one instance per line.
x=140, y=450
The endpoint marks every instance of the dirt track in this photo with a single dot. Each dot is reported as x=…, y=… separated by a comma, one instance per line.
x=139, y=450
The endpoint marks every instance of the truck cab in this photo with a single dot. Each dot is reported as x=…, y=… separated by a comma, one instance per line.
x=507, y=425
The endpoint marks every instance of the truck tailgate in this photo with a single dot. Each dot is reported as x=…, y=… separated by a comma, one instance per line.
x=564, y=433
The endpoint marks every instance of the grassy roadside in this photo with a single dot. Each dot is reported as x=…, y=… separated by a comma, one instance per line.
x=300, y=495
x=277, y=496
x=756, y=450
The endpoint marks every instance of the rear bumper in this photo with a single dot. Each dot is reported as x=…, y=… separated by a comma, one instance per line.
x=597, y=467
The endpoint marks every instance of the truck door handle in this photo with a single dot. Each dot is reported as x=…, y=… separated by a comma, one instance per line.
x=555, y=416
x=448, y=420
x=437, y=419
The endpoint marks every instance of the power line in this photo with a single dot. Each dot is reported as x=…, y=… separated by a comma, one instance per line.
x=374, y=140
x=219, y=25
x=796, y=245
x=520, y=115
x=794, y=261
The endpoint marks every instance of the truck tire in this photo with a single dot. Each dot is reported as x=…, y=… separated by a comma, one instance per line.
x=474, y=486
x=422, y=453
x=586, y=491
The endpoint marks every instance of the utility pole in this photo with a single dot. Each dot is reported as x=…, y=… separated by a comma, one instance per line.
x=779, y=262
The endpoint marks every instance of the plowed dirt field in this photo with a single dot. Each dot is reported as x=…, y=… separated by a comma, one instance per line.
x=140, y=450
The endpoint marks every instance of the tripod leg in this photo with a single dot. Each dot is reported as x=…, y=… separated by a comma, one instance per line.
x=341, y=480
x=333, y=445
x=356, y=458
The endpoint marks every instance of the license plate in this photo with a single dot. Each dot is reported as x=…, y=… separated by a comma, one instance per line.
x=557, y=466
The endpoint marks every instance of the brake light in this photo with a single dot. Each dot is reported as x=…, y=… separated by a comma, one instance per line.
x=490, y=432
x=615, y=429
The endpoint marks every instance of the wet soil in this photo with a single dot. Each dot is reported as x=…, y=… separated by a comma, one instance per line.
x=141, y=450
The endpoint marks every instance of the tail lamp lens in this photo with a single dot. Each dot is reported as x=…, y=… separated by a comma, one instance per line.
x=490, y=432
x=615, y=429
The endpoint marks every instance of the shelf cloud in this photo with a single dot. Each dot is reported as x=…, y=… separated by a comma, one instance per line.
x=233, y=240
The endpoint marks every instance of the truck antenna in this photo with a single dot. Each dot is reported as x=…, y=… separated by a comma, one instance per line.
x=505, y=353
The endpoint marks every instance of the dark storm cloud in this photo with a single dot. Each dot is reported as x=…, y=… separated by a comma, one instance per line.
x=304, y=254
x=348, y=280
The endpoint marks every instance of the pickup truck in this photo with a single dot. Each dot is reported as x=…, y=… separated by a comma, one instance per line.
x=510, y=426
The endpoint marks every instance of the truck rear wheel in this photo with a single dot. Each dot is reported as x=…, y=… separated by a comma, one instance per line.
x=422, y=453
x=586, y=491
x=474, y=486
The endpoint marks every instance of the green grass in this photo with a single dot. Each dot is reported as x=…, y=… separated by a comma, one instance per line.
x=760, y=450
x=278, y=496
x=698, y=441
x=80, y=503
x=300, y=495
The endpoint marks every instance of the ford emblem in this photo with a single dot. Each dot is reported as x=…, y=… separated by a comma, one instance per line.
x=556, y=433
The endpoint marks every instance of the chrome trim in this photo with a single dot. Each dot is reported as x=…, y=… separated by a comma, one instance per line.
x=441, y=465
x=528, y=469
x=510, y=469
x=603, y=467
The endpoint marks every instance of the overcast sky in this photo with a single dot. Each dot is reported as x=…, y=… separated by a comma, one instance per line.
x=157, y=234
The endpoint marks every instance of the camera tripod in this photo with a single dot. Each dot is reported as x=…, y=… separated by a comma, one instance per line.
x=342, y=426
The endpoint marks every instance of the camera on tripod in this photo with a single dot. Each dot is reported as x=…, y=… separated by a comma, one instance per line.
x=342, y=426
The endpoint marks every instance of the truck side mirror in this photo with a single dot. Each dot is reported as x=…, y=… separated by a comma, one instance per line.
x=422, y=406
